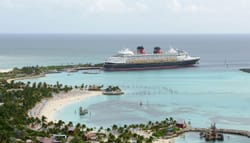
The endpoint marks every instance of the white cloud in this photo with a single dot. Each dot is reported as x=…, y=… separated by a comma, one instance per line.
x=116, y=6
x=108, y=6
x=10, y=4
x=86, y=15
x=184, y=6
x=217, y=7
x=141, y=6
x=176, y=6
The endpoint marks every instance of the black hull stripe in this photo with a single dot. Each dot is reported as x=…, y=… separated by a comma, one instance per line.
x=149, y=66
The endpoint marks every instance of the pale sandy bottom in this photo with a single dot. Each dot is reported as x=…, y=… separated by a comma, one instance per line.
x=164, y=141
x=48, y=107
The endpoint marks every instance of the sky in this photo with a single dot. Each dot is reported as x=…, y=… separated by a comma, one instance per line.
x=125, y=16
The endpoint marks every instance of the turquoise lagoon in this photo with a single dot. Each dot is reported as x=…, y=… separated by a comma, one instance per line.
x=200, y=95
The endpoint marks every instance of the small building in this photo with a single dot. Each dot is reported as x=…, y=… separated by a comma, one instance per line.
x=91, y=136
x=71, y=130
x=58, y=138
x=181, y=124
x=29, y=141
x=44, y=140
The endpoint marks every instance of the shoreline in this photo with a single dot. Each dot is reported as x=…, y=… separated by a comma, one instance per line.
x=49, y=106
x=25, y=77
x=5, y=70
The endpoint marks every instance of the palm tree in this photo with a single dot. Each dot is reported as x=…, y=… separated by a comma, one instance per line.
x=78, y=125
x=82, y=86
x=38, y=121
x=114, y=127
x=83, y=126
x=44, y=121
x=59, y=124
x=70, y=124
x=120, y=129
x=28, y=84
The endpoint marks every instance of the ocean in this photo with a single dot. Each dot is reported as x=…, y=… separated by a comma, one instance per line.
x=214, y=91
x=34, y=49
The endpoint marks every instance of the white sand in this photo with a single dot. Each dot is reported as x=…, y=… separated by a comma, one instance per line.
x=26, y=77
x=48, y=107
x=164, y=141
x=5, y=70
x=147, y=134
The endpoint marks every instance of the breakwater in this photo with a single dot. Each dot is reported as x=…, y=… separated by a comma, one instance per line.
x=224, y=131
x=247, y=70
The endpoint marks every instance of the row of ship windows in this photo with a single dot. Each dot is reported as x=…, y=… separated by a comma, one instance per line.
x=141, y=58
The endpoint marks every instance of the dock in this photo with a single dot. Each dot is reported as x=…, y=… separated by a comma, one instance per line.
x=247, y=70
x=76, y=69
x=88, y=68
x=224, y=131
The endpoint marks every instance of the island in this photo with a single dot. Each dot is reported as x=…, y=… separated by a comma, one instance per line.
x=18, y=122
x=40, y=71
x=112, y=90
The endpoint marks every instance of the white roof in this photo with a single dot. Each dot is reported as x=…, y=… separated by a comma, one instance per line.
x=172, y=51
x=126, y=52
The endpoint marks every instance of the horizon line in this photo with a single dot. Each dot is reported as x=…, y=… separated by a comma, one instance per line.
x=124, y=33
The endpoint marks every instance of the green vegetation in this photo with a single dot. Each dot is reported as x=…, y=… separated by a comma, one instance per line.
x=38, y=70
x=15, y=123
x=113, y=88
x=95, y=87
x=17, y=98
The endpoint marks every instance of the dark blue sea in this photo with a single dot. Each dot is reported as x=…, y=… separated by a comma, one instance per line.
x=27, y=49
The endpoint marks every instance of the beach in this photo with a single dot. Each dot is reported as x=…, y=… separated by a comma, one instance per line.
x=164, y=141
x=26, y=77
x=48, y=107
x=5, y=70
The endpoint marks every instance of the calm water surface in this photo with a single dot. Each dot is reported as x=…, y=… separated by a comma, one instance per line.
x=215, y=91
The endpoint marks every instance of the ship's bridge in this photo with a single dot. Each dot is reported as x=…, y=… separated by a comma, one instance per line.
x=120, y=57
x=126, y=52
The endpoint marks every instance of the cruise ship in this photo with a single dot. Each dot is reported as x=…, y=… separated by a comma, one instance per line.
x=140, y=60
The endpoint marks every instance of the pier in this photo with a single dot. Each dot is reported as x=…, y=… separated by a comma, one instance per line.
x=247, y=70
x=224, y=131
x=88, y=68
x=76, y=69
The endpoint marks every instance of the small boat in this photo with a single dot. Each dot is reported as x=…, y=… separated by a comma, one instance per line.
x=83, y=111
x=141, y=104
x=212, y=134
x=220, y=137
